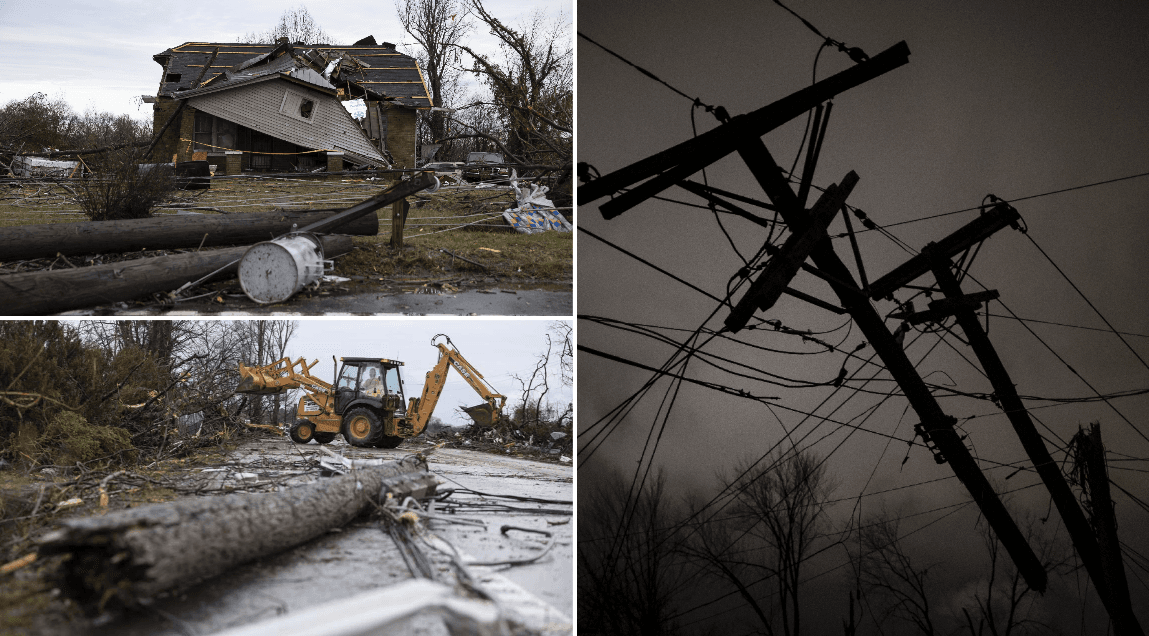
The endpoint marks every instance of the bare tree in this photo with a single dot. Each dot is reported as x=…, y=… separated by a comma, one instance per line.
x=532, y=91
x=438, y=26
x=564, y=331
x=1004, y=604
x=892, y=578
x=629, y=574
x=296, y=25
x=779, y=522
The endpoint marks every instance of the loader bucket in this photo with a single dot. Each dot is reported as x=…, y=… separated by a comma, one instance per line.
x=483, y=414
x=251, y=380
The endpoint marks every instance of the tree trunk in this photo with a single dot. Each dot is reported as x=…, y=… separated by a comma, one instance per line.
x=162, y=233
x=129, y=556
x=49, y=292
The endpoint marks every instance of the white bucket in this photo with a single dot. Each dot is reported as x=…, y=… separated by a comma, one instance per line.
x=273, y=271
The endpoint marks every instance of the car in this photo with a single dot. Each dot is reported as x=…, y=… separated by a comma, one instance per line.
x=481, y=166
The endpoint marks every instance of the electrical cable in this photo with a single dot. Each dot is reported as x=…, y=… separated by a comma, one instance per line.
x=1087, y=301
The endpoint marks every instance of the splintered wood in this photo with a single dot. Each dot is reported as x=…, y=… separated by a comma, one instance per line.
x=127, y=557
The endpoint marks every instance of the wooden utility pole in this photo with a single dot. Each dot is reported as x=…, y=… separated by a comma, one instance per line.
x=937, y=257
x=743, y=134
x=938, y=425
x=1101, y=504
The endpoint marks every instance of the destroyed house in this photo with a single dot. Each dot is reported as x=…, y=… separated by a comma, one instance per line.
x=279, y=107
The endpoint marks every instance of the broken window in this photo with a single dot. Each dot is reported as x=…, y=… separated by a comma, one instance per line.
x=213, y=134
x=173, y=77
x=224, y=134
x=203, y=126
x=299, y=106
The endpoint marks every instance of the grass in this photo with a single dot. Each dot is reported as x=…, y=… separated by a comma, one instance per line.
x=432, y=224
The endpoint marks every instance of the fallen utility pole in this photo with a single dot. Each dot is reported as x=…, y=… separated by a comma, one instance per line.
x=51, y=292
x=127, y=557
x=397, y=192
x=164, y=232
x=1101, y=505
x=939, y=426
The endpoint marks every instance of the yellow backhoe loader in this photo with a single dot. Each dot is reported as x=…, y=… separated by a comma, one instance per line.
x=366, y=403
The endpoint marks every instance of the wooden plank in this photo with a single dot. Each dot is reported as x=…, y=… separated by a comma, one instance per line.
x=692, y=155
x=976, y=230
x=781, y=269
x=769, y=176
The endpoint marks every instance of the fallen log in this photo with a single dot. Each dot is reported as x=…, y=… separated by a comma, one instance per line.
x=51, y=292
x=125, y=558
x=163, y=233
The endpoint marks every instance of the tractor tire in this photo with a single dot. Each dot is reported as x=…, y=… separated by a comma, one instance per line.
x=389, y=441
x=302, y=432
x=324, y=438
x=361, y=427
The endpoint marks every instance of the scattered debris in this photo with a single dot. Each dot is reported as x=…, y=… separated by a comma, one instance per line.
x=535, y=212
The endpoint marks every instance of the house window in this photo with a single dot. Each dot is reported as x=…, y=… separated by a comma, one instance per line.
x=297, y=105
x=213, y=134
x=203, y=130
x=173, y=77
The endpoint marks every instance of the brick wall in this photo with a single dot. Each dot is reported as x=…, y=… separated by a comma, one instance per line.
x=401, y=135
x=161, y=110
x=186, y=131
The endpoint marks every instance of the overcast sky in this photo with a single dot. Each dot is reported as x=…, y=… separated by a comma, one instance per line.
x=98, y=55
x=1014, y=99
x=498, y=349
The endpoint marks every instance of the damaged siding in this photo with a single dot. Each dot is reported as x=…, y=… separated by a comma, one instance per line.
x=264, y=107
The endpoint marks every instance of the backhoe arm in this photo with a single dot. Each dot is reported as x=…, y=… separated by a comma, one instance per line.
x=489, y=413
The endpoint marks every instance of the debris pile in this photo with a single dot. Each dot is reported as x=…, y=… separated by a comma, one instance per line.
x=542, y=442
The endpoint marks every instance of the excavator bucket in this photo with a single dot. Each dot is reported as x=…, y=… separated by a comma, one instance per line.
x=253, y=380
x=483, y=414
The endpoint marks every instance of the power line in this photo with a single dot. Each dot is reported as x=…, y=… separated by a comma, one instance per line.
x=1025, y=198
x=646, y=72
x=1086, y=299
x=1062, y=324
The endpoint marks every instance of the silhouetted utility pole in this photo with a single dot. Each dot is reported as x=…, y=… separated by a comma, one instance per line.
x=937, y=257
x=809, y=240
x=1091, y=458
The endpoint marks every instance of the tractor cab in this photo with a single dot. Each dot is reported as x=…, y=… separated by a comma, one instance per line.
x=371, y=381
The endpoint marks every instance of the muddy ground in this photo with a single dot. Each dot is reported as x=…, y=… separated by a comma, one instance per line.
x=358, y=557
x=458, y=256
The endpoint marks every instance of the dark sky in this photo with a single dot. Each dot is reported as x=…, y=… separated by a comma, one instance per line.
x=1014, y=99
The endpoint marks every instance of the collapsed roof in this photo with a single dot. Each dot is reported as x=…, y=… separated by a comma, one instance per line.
x=361, y=70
